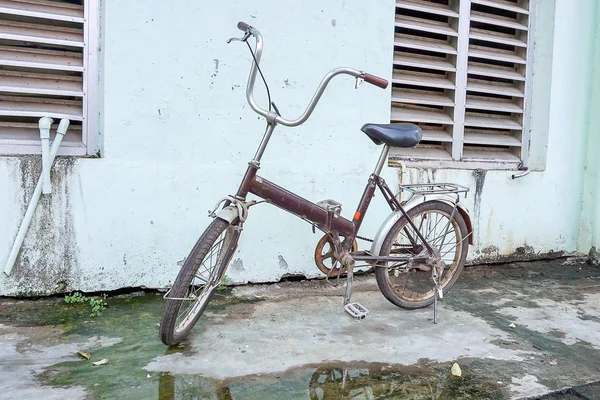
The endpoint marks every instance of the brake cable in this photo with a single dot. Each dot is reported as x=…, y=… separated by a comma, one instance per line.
x=262, y=76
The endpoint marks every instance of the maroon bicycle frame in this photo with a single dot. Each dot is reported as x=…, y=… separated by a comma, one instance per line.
x=317, y=215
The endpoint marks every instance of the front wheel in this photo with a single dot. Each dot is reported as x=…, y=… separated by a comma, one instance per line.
x=409, y=284
x=197, y=281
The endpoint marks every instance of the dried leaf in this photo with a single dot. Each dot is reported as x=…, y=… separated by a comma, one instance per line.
x=81, y=354
x=101, y=362
x=512, y=325
x=553, y=362
x=456, y=371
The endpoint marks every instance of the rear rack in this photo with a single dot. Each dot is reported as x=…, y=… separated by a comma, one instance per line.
x=424, y=189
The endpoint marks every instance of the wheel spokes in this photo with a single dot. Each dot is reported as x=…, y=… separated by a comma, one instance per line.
x=203, y=281
x=440, y=231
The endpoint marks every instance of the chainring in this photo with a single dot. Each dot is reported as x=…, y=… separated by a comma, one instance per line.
x=325, y=260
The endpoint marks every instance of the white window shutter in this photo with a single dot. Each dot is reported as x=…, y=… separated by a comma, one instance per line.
x=461, y=73
x=425, y=51
x=497, y=73
x=43, y=72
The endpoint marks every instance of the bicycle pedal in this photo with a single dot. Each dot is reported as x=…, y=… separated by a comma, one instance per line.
x=356, y=310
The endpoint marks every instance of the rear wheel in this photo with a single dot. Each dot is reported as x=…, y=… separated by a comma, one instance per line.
x=197, y=281
x=409, y=284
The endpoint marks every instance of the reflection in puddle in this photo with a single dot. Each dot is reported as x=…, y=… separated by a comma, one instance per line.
x=366, y=381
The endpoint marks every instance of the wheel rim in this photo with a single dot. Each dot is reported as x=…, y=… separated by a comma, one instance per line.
x=413, y=284
x=204, y=282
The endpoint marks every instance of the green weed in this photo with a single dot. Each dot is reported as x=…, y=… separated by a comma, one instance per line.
x=97, y=305
x=223, y=287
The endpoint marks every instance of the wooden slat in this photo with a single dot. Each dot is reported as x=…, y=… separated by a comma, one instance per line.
x=489, y=155
x=490, y=139
x=421, y=79
x=41, y=59
x=402, y=114
x=492, y=104
x=497, y=20
x=24, y=138
x=490, y=122
x=36, y=33
x=495, y=37
x=495, y=54
x=494, y=71
x=35, y=107
x=43, y=9
x=436, y=136
x=499, y=88
x=422, y=61
x=42, y=84
x=426, y=6
x=419, y=154
x=425, y=25
x=503, y=5
x=75, y=149
x=421, y=97
x=427, y=44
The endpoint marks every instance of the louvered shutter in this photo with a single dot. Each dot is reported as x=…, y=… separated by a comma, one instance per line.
x=43, y=72
x=461, y=73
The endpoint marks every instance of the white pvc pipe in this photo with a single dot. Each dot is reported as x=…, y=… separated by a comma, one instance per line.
x=45, y=124
x=60, y=133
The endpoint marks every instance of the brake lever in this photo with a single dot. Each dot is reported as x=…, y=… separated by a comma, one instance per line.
x=242, y=39
x=359, y=81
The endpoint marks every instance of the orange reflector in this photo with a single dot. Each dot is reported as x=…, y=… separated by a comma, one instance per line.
x=357, y=215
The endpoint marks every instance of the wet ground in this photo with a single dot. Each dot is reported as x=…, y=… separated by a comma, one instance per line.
x=292, y=341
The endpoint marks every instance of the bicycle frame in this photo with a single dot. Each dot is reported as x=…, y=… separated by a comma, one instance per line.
x=323, y=219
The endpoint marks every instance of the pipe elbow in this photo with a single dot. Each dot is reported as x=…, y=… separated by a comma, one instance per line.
x=45, y=123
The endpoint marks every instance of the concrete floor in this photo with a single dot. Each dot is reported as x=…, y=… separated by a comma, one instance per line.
x=292, y=340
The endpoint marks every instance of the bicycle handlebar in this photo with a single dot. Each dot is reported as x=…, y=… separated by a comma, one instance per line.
x=375, y=80
x=242, y=26
x=372, y=79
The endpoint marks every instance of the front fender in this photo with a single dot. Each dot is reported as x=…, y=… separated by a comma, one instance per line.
x=229, y=214
x=389, y=222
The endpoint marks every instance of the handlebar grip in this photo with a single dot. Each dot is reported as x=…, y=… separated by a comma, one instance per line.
x=242, y=26
x=375, y=80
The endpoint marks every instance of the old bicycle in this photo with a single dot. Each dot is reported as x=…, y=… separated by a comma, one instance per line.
x=418, y=252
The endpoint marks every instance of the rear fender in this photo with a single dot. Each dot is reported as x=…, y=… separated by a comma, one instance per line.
x=389, y=222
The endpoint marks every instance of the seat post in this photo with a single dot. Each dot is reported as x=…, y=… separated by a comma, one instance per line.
x=382, y=159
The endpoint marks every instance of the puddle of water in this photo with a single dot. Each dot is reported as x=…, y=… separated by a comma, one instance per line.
x=134, y=321
x=336, y=381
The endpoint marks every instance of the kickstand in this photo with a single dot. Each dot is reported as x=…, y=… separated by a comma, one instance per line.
x=438, y=295
x=435, y=300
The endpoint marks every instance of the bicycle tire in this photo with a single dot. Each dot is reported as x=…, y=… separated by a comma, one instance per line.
x=172, y=332
x=388, y=276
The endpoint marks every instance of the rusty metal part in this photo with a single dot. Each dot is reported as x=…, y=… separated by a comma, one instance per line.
x=322, y=254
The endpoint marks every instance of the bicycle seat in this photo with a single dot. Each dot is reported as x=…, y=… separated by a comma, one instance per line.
x=397, y=135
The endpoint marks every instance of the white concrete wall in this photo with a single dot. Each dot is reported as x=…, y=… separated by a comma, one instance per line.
x=177, y=134
x=590, y=223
